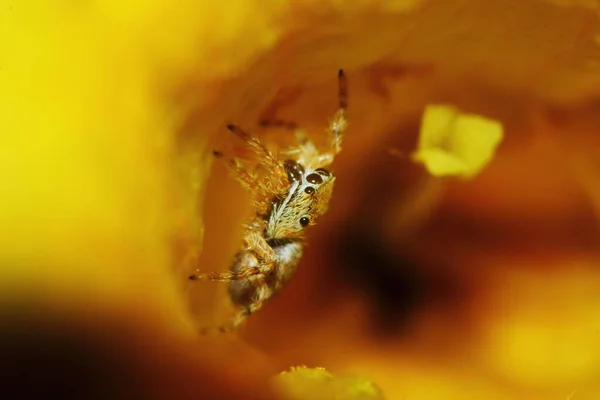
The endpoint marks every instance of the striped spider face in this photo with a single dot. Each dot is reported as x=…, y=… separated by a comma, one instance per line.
x=306, y=200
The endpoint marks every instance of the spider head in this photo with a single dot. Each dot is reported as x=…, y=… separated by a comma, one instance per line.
x=307, y=199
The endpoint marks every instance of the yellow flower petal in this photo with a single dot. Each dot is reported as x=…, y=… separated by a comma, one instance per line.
x=317, y=383
x=454, y=143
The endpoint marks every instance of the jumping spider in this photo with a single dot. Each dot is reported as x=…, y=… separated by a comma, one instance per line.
x=290, y=196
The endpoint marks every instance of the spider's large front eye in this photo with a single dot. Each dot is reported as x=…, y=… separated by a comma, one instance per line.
x=314, y=178
x=304, y=221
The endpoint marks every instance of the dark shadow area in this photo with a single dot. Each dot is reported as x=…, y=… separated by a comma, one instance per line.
x=41, y=359
x=393, y=286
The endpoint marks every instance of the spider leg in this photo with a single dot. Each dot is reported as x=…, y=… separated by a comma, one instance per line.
x=246, y=179
x=256, y=242
x=257, y=277
x=265, y=157
x=307, y=153
x=256, y=274
x=264, y=263
x=240, y=317
x=232, y=275
x=306, y=149
x=290, y=126
x=337, y=125
x=339, y=122
x=234, y=322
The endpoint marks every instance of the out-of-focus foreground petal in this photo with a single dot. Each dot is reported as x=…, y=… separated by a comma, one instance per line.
x=304, y=383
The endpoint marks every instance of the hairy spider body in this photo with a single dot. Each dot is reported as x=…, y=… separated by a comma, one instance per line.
x=291, y=195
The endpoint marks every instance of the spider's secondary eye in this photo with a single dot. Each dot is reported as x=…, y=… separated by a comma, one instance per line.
x=309, y=190
x=314, y=178
x=294, y=170
x=304, y=221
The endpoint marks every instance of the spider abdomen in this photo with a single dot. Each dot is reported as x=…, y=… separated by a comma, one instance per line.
x=260, y=287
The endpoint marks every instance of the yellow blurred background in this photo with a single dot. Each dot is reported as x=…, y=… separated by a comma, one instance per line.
x=432, y=288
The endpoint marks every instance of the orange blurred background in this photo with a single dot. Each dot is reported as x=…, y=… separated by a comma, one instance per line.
x=432, y=288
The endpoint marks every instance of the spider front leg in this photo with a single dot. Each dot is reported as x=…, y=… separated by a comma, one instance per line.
x=264, y=156
x=245, y=178
x=305, y=151
x=339, y=122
